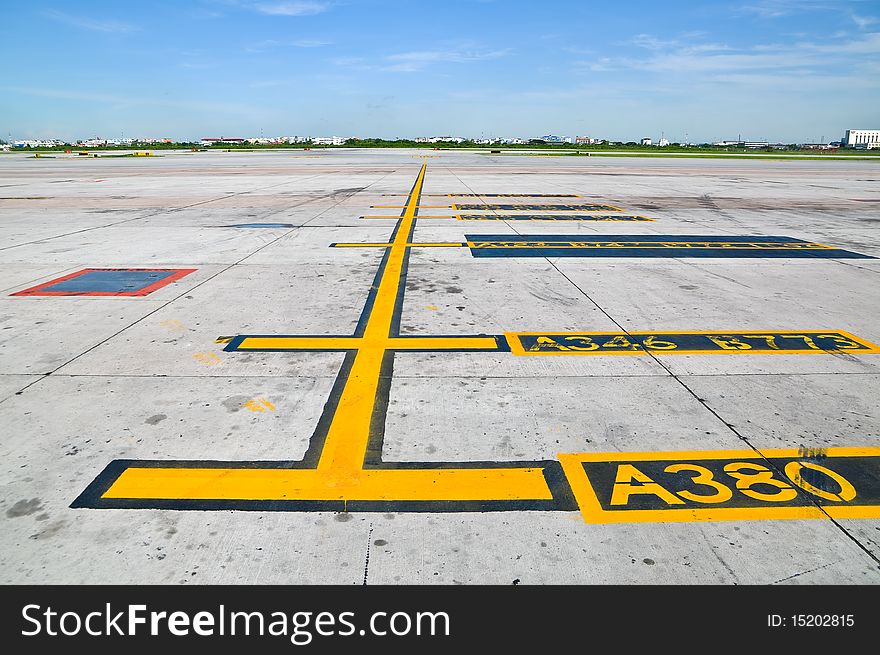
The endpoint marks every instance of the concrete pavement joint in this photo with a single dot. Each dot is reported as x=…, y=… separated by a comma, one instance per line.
x=151, y=215
x=162, y=306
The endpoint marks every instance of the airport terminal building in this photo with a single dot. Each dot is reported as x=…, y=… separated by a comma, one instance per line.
x=862, y=139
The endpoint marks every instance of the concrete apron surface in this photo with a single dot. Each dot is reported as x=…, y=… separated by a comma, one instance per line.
x=317, y=395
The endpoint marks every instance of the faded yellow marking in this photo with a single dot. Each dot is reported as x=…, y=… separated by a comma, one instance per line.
x=433, y=308
x=593, y=512
x=223, y=339
x=209, y=359
x=259, y=405
x=173, y=324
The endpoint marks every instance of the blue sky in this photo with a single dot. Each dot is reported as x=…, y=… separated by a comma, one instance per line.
x=782, y=70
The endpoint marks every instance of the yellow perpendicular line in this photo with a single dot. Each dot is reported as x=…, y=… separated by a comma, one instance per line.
x=311, y=484
x=547, y=217
x=491, y=206
x=609, y=245
x=649, y=245
x=354, y=343
x=593, y=511
x=405, y=206
x=442, y=244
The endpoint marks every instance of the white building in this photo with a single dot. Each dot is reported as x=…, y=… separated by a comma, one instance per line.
x=553, y=138
x=743, y=144
x=38, y=143
x=646, y=141
x=439, y=139
x=329, y=140
x=264, y=140
x=220, y=141
x=663, y=142
x=862, y=139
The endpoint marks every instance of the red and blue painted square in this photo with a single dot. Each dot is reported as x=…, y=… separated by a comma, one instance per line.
x=108, y=282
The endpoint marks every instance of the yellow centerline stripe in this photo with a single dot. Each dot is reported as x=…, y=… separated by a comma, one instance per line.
x=346, y=443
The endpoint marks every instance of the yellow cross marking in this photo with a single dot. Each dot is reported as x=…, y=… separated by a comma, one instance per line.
x=340, y=473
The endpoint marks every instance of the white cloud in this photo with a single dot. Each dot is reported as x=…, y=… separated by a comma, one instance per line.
x=347, y=61
x=779, y=8
x=652, y=42
x=204, y=106
x=668, y=57
x=271, y=44
x=95, y=25
x=310, y=43
x=304, y=8
x=864, y=22
x=417, y=60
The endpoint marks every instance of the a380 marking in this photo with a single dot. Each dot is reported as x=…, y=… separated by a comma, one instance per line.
x=720, y=485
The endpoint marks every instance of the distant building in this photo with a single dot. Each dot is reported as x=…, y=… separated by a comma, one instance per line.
x=743, y=144
x=219, y=141
x=552, y=138
x=663, y=142
x=37, y=143
x=862, y=139
x=587, y=141
x=329, y=141
x=646, y=141
x=439, y=139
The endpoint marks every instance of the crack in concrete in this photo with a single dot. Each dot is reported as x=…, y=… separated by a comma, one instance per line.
x=367, y=561
x=796, y=575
